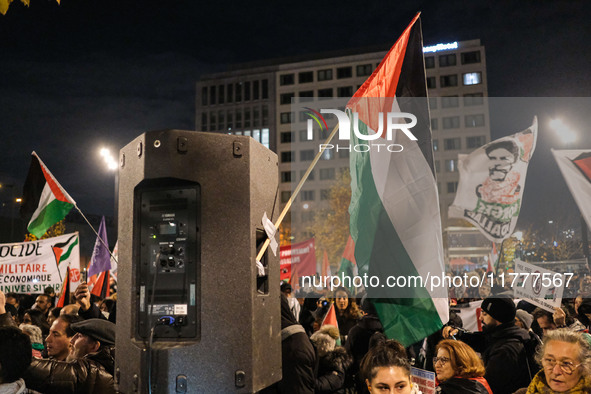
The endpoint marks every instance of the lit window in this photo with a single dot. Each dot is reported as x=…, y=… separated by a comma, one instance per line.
x=435, y=144
x=472, y=78
x=450, y=166
x=327, y=154
x=265, y=138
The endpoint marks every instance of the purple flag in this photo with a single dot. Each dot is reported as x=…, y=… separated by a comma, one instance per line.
x=101, y=259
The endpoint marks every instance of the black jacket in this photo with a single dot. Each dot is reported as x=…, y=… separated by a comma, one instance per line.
x=332, y=371
x=462, y=386
x=504, y=356
x=82, y=376
x=358, y=345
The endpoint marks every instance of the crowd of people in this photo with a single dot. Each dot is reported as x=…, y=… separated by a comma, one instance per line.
x=521, y=348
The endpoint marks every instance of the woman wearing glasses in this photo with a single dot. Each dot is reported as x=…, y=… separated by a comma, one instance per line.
x=459, y=369
x=565, y=357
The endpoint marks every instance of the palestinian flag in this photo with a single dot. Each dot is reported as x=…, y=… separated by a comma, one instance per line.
x=395, y=221
x=65, y=293
x=45, y=202
x=575, y=166
x=348, y=266
x=62, y=250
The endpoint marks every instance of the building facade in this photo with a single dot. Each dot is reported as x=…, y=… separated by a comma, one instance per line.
x=258, y=100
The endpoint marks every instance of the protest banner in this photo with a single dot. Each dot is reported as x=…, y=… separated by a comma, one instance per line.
x=424, y=379
x=538, y=286
x=298, y=260
x=30, y=267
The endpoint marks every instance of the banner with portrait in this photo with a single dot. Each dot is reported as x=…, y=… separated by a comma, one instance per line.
x=492, y=179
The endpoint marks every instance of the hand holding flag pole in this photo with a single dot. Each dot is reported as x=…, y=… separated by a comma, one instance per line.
x=297, y=190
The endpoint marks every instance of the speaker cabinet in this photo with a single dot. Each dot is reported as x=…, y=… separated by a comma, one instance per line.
x=190, y=225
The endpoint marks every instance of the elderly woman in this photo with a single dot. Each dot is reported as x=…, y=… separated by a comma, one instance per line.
x=565, y=357
x=386, y=369
x=459, y=369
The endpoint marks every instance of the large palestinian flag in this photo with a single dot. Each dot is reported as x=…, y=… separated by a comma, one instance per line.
x=45, y=202
x=395, y=221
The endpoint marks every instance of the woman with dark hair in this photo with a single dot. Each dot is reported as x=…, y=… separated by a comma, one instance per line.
x=386, y=369
x=347, y=312
x=37, y=318
x=459, y=369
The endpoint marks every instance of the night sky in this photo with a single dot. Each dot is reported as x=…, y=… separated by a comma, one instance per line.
x=85, y=74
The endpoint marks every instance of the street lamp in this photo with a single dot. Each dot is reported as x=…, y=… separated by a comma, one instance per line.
x=110, y=161
x=566, y=135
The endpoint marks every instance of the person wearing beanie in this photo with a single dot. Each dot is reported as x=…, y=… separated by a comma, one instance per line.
x=523, y=319
x=501, y=344
x=333, y=361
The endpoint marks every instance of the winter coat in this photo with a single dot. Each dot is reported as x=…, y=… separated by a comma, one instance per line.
x=458, y=385
x=82, y=376
x=358, y=345
x=298, y=357
x=503, y=354
x=332, y=371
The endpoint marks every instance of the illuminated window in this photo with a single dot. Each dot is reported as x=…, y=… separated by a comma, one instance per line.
x=450, y=166
x=328, y=154
x=472, y=78
x=435, y=144
x=304, y=136
x=265, y=136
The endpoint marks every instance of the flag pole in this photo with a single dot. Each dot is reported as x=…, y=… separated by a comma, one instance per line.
x=297, y=190
x=97, y=235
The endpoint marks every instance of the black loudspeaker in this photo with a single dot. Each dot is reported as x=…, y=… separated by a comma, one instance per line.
x=194, y=314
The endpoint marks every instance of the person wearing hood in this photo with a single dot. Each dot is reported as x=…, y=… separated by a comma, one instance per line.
x=333, y=361
x=359, y=337
x=501, y=344
x=298, y=357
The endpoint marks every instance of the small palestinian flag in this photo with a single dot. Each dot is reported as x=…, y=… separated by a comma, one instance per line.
x=45, y=201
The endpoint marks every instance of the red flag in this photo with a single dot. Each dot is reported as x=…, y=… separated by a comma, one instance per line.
x=325, y=265
x=65, y=294
x=331, y=317
x=101, y=288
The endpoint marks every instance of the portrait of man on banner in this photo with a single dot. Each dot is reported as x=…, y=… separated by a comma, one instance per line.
x=492, y=179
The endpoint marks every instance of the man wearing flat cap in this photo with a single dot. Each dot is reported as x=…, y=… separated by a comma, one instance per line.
x=94, y=339
x=89, y=366
x=501, y=343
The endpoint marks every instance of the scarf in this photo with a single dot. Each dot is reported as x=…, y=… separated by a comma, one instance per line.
x=538, y=385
